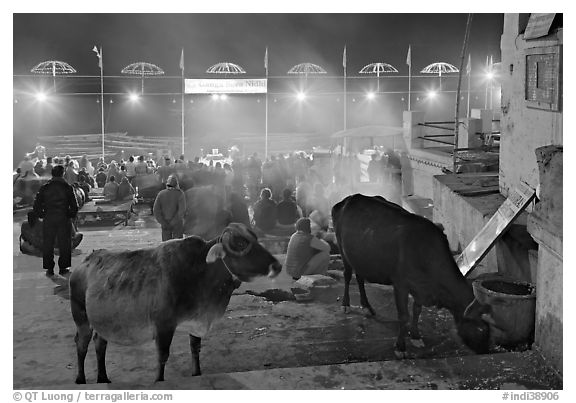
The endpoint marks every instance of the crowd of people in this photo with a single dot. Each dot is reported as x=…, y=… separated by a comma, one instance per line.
x=270, y=196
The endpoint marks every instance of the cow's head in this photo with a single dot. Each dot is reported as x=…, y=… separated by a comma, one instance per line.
x=243, y=256
x=474, y=328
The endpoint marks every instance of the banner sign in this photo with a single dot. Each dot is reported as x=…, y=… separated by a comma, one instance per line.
x=226, y=86
x=539, y=25
x=517, y=201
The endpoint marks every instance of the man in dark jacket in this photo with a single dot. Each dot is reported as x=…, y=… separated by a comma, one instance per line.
x=265, y=213
x=169, y=209
x=56, y=204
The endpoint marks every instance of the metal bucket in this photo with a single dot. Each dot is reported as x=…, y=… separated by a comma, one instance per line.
x=513, y=308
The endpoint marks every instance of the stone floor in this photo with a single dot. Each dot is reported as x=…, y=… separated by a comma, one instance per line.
x=265, y=340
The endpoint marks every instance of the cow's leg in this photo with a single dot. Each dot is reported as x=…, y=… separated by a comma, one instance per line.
x=163, y=341
x=347, y=278
x=401, y=298
x=363, y=298
x=195, y=344
x=82, y=337
x=100, y=343
x=415, y=337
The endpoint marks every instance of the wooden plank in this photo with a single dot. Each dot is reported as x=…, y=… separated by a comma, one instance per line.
x=512, y=207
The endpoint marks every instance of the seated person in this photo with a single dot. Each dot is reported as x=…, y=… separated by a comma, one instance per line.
x=265, y=211
x=287, y=210
x=125, y=190
x=85, y=186
x=101, y=177
x=110, y=191
x=238, y=209
x=320, y=224
x=306, y=253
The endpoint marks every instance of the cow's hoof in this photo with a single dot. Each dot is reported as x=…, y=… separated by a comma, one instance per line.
x=197, y=373
x=419, y=343
x=368, y=311
x=104, y=380
x=346, y=309
x=80, y=380
x=400, y=355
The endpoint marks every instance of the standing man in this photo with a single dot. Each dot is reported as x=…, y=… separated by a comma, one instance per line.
x=57, y=205
x=169, y=209
x=130, y=169
x=165, y=170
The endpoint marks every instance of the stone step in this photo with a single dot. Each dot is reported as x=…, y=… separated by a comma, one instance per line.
x=503, y=371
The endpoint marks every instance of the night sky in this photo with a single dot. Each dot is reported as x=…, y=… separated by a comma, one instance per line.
x=207, y=39
x=242, y=38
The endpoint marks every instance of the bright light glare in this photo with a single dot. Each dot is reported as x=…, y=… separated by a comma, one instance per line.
x=490, y=75
x=134, y=97
x=370, y=95
x=223, y=97
x=41, y=97
x=215, y=97
x=301, y=96
x=432, y=94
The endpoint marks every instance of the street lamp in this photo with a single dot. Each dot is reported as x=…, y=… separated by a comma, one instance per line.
x=431, y=94
x=370, y=95
x=301, y=96
x=41, y=97
x=133, y=97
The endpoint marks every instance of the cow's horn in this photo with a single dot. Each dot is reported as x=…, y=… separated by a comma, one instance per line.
x=226, y=240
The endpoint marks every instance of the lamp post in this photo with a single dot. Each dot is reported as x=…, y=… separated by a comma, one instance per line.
x=99, y=54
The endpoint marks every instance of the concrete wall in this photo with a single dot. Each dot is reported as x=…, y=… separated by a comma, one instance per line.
x=523, y=129
x=545, y=226
x=524, y=132
x=420, y=165
x=463, y=218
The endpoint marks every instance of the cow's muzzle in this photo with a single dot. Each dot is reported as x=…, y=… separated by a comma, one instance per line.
x=274, y=269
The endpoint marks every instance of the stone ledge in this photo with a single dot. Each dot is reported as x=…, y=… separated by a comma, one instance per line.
x=540, y=230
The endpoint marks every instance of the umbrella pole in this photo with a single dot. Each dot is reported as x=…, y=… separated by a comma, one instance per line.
x=440, y=75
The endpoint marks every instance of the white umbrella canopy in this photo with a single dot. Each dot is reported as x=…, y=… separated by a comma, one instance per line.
x=142, y=69
x=307, y=68
x=225, y=68
x=377, y=68
x=53, y=68
x=440, y=68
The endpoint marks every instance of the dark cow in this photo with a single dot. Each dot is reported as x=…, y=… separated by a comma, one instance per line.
x=129, y=297
x=383, y=243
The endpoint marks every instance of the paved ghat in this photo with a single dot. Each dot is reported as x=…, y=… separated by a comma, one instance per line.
x=265, y=340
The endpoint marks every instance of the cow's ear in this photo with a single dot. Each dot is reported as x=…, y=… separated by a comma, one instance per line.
x=216, y=252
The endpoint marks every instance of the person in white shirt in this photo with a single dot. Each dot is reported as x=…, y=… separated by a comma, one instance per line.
x=130, y=169
x=306, y=253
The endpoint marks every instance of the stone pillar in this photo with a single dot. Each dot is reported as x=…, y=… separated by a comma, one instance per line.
x=467, y=133
x=411, y=128
x=545, y=226
x=485, y=116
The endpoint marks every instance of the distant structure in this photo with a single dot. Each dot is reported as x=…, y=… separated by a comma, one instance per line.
x=142, y=69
